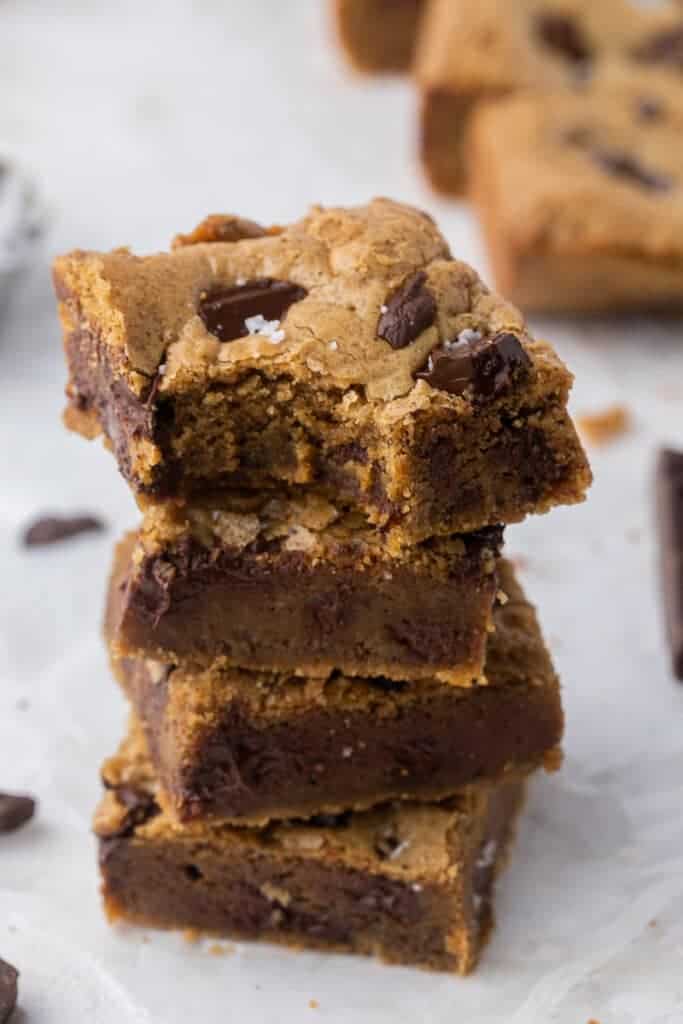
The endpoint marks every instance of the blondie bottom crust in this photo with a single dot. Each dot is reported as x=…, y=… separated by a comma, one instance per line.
x=410, y=883
x=288, y=586
x=470, y=52
x=379, y=35
x=347, y=355
x=246, y=748
x=581, y=195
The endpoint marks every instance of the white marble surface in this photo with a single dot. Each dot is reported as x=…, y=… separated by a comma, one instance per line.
x=138, y=119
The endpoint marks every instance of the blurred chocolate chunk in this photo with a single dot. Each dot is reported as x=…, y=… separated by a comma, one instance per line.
x=650, y=109
x=486, y=365
x=663, y=48
x=9, y=990
x=52, y=529
x=225, y=310
x=409, y=311
x=15, y=810
x=617, y=162
x=669, y=496
x=563, y=36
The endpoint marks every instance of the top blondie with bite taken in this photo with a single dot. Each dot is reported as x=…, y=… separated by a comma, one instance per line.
x=347, y=355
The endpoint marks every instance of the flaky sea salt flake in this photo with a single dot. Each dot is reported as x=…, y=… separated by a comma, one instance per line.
x=269, y=329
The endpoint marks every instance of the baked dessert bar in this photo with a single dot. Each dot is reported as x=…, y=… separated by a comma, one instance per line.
x=580, y=195
x=248, y=747
x=347, y=355
x=286, y=586
x=474, y=51
x=410, y=883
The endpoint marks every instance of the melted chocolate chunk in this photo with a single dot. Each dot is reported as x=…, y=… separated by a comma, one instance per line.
x=140, y=807
x=563, y=36
x=330, y=820
x=225, y=310
x=9, y=990
x=486, y=365
x=15, y=811
x=51, y=529
x=664, y=48
x=387, y=685
x=409, y=311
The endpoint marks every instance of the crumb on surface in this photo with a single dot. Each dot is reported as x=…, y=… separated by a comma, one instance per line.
x=221, y=948
x=313, y=1003
x=606, y=426
x=192, y=935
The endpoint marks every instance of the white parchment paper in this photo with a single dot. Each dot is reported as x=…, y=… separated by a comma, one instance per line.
x=139, y=119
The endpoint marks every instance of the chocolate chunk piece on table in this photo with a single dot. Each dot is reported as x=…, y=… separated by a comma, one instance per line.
x=669, y=485
x=15, y=810
x=9, y=990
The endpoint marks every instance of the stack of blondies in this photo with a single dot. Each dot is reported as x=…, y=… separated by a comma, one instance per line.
x=338, y=686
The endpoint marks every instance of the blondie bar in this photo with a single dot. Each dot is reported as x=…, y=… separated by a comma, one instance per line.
x=379, y=35
x=410, y=883
x=347, y=355
x=285, y=586
x=580, y=195
x=245, y=747
x=470, y=52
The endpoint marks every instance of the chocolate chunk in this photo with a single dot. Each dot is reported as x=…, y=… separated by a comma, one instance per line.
x=618, y=162
x=225, y=310
x=650, y=109
x=220, y=227
x=486, y=365
x=15, y=811
x=387, y=685
x=625, y=166
x=330, y=820
x=52, y=529
x=563, y=36
x=9, y=990
x=664, y=48
x=140, y=807
x=409, y=311
x=669, y=486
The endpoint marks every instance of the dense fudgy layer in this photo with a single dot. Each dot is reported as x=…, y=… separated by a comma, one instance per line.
x=218, y=755
x=268, y=607
x=303, y=891
x=265, y=434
